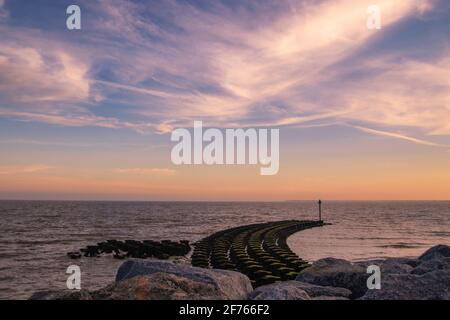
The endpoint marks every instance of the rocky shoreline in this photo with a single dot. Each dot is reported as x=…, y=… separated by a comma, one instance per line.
x=424, y=278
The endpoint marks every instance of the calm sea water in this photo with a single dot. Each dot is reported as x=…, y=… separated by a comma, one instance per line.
x=35, y=235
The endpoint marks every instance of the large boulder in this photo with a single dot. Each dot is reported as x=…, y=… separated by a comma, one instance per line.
x=163, y=286
x=336, y=273
x=391, y=265
x=432, y=265
x=229, y=284
x=289, y=290
x=437, y=252
x=156, y=286
x=162, y=280
x=429, y=286
x=436, y=258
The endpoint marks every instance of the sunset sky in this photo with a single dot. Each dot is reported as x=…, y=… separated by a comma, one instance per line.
x=87, y=114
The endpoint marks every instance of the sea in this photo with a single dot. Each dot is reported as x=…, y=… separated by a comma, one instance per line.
x=36, y=235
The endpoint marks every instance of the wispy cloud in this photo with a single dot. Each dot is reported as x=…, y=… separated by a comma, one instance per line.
x=27, y=169
x=164, y=172
x=401, y=93
x=78, y=120
x=398, y=136
x=82, y=144
x=274, y=64
x=3, y=12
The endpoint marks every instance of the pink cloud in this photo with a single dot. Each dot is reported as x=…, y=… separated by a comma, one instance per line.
x=250, y=64
x=30, y=75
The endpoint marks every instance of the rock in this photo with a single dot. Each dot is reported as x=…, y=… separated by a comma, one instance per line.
x=295, y=290
x=139, y=249
x=162, y=280
x=437, y=252
x=61, y=295
x=230, y=284
x=391, y=265
x=118, y=256
x=432, y=265
x=336, y=273
x=433, y=285
x=161, y=286
x=91, y=251
x=329, y=298
x=316, y=291
x=74, y=255
x=395, y=266
x=435, y=258
x=289, y=290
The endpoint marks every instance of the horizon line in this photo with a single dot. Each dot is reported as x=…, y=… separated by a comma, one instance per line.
x=235, y=201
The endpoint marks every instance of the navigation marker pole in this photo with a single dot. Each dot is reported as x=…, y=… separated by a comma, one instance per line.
x=320, y=210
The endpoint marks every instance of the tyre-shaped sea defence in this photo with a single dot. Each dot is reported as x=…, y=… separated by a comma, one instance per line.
x=259, y=251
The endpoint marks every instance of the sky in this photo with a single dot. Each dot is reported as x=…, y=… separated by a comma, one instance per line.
x=88, y=114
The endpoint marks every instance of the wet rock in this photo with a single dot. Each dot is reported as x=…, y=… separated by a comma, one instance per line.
x=433, y=285
x=289, y=290
x=139, y=249
x=437, y=252
x=230, y=284
x=336, y=273
x=118, y=256
x=105, y=247
x=91, y=251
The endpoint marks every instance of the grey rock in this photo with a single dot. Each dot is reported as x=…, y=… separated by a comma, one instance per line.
x=429, y=286
x=231, y=285
x=391, y=265
x=395, y=266
x=329, y=298
x=61, y=295
x=162, y=280
x=432, y=265
x=336, y=273
x=437, y=252
x=161, y=286
x=316, y=291
x=409, y=261
x=289, y=290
